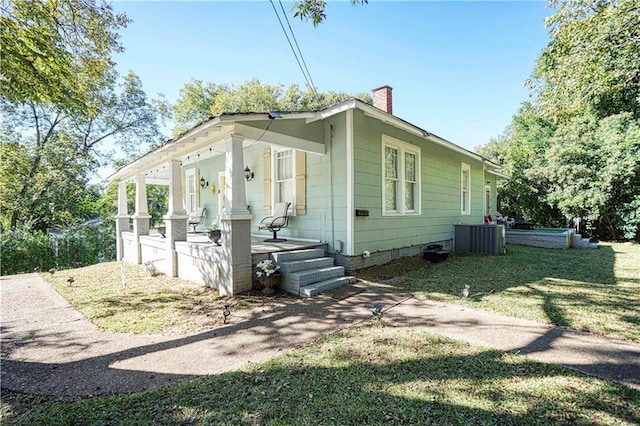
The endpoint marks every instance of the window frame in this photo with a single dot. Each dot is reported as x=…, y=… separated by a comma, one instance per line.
x=465, y=196
x=274, y=179
x=402, y=149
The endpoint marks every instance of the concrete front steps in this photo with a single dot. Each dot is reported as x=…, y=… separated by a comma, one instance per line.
x=308, y=272
x=582, y=243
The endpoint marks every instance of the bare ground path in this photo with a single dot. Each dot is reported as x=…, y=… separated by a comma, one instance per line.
x=49, y=348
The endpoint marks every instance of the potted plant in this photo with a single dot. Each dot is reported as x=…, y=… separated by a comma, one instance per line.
x=214, y=234
x=269, y=275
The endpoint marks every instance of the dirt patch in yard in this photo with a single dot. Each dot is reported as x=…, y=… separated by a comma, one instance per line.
x=394, y=273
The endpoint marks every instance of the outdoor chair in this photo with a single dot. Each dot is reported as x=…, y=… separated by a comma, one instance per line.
x=279, y=220
x=196, y=218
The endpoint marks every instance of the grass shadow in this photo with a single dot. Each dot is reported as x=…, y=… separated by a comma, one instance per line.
x=366, y=375
x=591, y=290
x=150, y=304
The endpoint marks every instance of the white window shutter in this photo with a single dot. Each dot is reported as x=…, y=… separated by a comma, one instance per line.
x=266, y=181
x=301, y=182
x=197, y=179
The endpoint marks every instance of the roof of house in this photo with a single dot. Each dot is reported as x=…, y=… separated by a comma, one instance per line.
x=228, y=119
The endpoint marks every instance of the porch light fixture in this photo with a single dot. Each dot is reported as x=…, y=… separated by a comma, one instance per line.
x=203, y=183
x=248, y=174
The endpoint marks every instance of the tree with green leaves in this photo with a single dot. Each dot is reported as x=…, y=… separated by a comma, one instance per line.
x=589, y=85
x=197, y=100
x=521, y=152
x=49, y=156
x=593, y=59
x=57, y=53
x=586, y=98
x=62, y=103
x=193, y=105
x=314, y=10
x=594, y=172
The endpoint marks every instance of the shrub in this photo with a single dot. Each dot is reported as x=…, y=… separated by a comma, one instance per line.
x=24, y=249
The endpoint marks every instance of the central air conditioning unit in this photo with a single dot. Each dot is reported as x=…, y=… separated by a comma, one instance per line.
x=480, y=239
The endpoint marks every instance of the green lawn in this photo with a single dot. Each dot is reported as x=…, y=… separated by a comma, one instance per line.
x=376, y=373
x=366, y=375
x=591, y=290
x=148, y=305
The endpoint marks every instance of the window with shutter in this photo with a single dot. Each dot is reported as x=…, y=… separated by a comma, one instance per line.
x=285, y=178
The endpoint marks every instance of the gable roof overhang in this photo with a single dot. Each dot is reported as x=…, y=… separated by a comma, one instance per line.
x=497, y=173
x=207, y=139
x=392, y=120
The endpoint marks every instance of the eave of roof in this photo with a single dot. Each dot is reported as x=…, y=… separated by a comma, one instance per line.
x=311, y=116
x=214, y=120
x=395, y=121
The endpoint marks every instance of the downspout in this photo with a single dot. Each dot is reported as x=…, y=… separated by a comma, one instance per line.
x=333, y=227
x=350, y=183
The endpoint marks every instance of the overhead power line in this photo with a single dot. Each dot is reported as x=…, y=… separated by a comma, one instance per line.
x=313, y=86
x=302, y=65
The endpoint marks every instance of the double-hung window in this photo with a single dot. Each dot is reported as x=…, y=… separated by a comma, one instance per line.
x=401, y=177
x=465, y=189
x=285, y=180
x=284, y=177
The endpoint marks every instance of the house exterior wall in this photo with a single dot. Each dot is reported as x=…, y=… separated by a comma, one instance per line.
x=327, y=188
x=128, y=247
x=440, y=192
x=199, y=263
x=325, y=216
x=384, y=236
x=208, y=169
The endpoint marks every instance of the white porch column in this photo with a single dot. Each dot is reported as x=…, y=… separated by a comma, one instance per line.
x=141, y=216
x=235, y=195
x=175, y=219
x=236, y=274
x=176, y=201
x=122, y=219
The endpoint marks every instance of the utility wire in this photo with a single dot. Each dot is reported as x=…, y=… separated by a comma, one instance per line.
x=313, y=86
x=271, y=120
x=306, y=77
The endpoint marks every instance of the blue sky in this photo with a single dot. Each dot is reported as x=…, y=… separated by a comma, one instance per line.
x=457, y=68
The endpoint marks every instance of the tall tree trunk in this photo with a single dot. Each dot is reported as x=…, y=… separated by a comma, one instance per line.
x=41, y=141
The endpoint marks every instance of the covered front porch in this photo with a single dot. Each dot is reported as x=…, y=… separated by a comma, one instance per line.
x=212, y=156
x=200, y=260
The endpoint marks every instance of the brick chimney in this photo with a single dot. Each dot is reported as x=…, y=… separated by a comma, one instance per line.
x=382, y=98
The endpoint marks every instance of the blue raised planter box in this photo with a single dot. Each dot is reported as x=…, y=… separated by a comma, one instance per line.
x=539, y=238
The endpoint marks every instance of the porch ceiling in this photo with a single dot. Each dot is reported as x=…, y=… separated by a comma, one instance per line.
x=209, y=140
